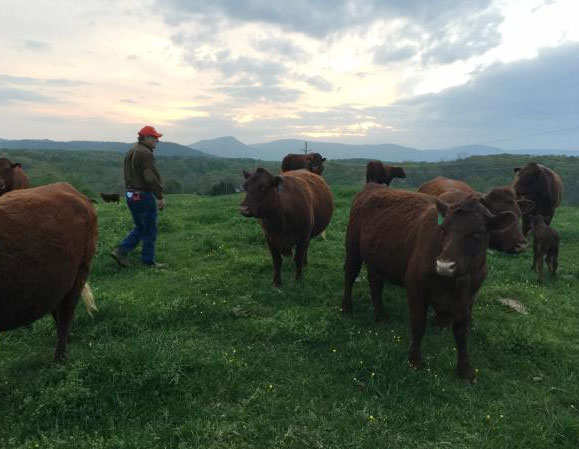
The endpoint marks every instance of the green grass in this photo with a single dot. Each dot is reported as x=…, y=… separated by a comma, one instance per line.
x=208, y=354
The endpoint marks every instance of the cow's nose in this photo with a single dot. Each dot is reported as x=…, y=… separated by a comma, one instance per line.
x=244, y=210
x=445, y=268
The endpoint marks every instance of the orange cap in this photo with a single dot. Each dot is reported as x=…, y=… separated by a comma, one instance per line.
x=149, y=131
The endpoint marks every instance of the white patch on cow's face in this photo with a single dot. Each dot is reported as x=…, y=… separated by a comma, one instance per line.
x=445, y=267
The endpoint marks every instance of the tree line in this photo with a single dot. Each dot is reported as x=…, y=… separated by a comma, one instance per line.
x=101, y=171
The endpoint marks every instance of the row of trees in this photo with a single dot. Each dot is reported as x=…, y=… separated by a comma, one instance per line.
x=99, y=171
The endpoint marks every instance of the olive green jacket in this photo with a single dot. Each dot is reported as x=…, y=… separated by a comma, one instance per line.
x=140, y=171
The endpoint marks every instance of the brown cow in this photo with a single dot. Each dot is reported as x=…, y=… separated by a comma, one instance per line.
x=398, y=236
x=313, y=162
x=12, y=177
x=110, y=197
x=292, y=208
x=545, y=245
x=543, y=186
x=500, y=199
x=381, y=173
x=47, y=241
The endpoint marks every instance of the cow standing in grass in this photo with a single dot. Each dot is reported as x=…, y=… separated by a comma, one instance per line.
x=47, y=241
x=12, y=177
x=313, y=162
x=381, y=173
x=434, y=250
x=541, y=185
x=499, y=199
x=292, y=208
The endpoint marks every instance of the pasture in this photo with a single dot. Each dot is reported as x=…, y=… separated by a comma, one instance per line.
x=206, y=353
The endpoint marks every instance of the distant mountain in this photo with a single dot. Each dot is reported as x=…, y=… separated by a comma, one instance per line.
x=163, y=148
x=228, y=147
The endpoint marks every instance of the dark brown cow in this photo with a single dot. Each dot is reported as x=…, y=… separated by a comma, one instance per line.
x=398, y=236
x=500, y=199
x=545, y=245
x=381, y=173
x=47, y=241
x=292, y=208
x=12, y=177
x=110, y=197
x=313, y=162
x=541, y=185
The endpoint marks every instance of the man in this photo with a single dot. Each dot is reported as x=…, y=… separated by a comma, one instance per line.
x=144, y=194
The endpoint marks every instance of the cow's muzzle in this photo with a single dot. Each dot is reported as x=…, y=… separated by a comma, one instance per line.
x=244, y=210
x=521, y=246
x=445, y=268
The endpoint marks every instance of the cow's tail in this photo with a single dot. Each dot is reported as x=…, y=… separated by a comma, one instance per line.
x=88, y=299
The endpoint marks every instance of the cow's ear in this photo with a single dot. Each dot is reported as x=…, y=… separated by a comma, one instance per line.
x=246, y=174
x=501, y=221
x=323, y=159
x=526, y=206
x=16, y=164
x=278, y=183
x=517, y=169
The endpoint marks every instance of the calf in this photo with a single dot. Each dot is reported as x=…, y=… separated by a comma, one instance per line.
x=545, y=245
x=313, y=162
x=292, y=208
x=499, y=199
x=47, y=241
x=381, y=173
x=436, y=251
x=110, y=197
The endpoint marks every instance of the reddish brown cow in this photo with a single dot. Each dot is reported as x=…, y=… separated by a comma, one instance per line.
x=12, y=176
x=398, y=236
x=545, y=246
x=541, y=185
x=313, y=162
x=500, y=199
x=381, y=173
x=47, y=241
x=292, y=208
x=110, y=197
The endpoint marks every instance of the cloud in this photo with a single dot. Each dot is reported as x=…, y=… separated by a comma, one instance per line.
x=37, y=45
x=128, y=101
x=504, y=103
x=29, y=81
x=9, y=95
x=387, y=54
x=319, y=18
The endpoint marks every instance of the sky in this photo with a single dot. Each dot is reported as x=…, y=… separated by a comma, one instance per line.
x=421, y=73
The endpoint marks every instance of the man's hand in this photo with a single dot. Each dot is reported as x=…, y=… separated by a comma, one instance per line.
x=161, y=204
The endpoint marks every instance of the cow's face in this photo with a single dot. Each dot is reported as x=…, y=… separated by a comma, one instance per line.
x=527, y=180
x=511, y=240
x=466, y=228
x=260, y=189
x=316, y=163
x=393, y=172
x=6, y=175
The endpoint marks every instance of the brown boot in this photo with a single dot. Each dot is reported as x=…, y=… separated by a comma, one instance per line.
x=120, y=257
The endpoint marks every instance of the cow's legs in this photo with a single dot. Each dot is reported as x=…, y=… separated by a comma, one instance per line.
x=552, y=262
x=352, y=266
x=376, y=286
x=460, y=331
x=539, y=263
x=417, y=312
x=276, y=257
x=300, y=256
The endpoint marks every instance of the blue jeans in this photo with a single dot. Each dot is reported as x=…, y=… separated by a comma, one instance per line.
x=144, y=213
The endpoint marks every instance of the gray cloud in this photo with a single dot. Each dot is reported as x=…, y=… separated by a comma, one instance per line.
x=28, y=81
x=388, y=54
x=506, y=102
x=37, y=45
x=128, y=101
x=320, y=18
x=9, y=95
x=280, y=47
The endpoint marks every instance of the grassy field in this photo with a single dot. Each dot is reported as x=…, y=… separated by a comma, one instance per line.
x=208, y=354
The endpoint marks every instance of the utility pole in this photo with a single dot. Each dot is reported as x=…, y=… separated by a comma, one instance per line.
x=305, y=150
